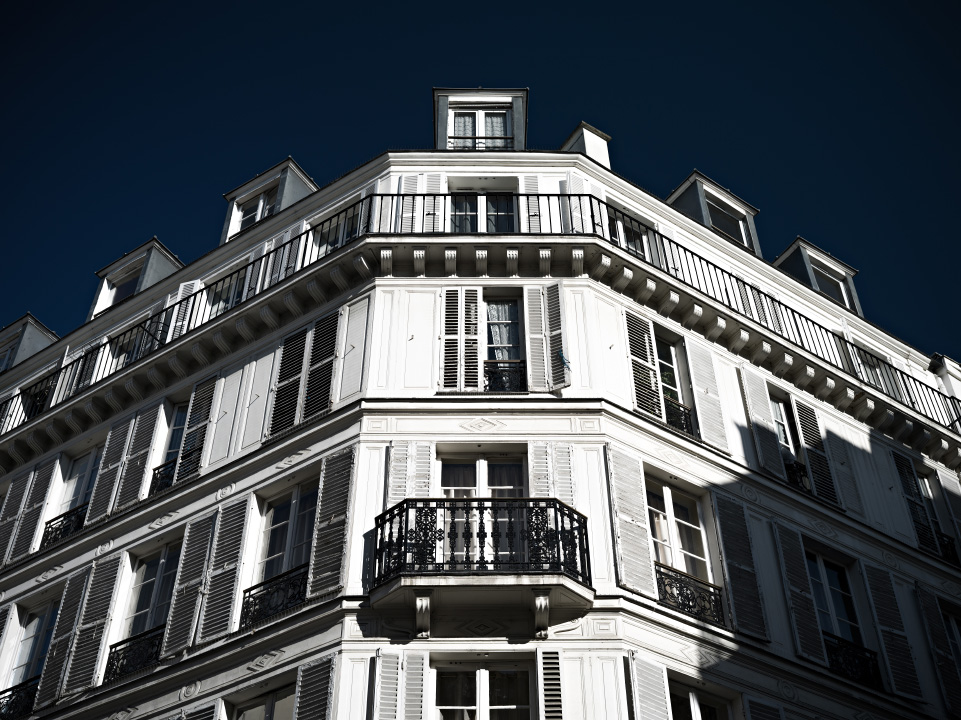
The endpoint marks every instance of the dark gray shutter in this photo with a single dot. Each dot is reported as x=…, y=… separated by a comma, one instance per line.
x=912, y=496
x=761, y=710
x=415, y=685
x=352, y=372
x=537, y=341
x=940, y=647
x=631, y=537
x=648, y=684
x=819, y=469
x=894, y=639
x=56, y=661
x=107, y=476
x=952, y=495
x=254, y=270
x=562, y=472
x=315, y=689
x=195, y=434
x=10, y=513
x=647, y=386
x=450, y=339
x=797, y=587
x=330, y=530
x=138, y=452
x=189, y=585
x=33, y=509
x=747, y=606
x=707, y=399
x=97, y=604
x=843, y=472
x=223, y=572
x=555, y=338
x=290, y=374
x=320, y=371
x=762, y=422
x=549, y=683
x=388, y=686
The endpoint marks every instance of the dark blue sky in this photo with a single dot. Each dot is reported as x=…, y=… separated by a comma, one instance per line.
x=123, y=121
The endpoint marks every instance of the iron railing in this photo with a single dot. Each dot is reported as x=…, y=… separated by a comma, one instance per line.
x=477, y=536
x=678, y=416
x=797, y=476
x=63, y=526
x=273, y=597
x=853, y=662
x=409, y=214
x=505, y=376
x=480, y=142
x=948, y=549
x=163, y=477
x=137, y=652
x=17, y=702
x=689, y=595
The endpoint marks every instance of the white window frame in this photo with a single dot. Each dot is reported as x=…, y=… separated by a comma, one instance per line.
x=261, y=208
x=734, y=213
x=136, y=565
x=829, y=595
x=480, y=114
x=482, y=685
x=49, y=617
x=482, y=462
x=268, y=702
x=829, y=274
x=695, y=698
x=84, y=479
x=673, y=540
x=295, y=494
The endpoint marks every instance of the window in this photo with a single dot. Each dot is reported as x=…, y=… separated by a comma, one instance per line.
x=486, y=692
x=729, y=222
x=479, y=129
x=833, y=599
x=493, y=212
x=152, y=590
x=494, y=477
x=831, y=285
x=952, y=624
x=176, y=435
x=288, y=532
x=34, y=643
x=258, y=208
x=504, y=369
x=277, y=705
x=690, y=704
x=917, y=494
x=225, y=293
x=124, y=287
x=627, y=232
x=677, y=531
x=80, y=481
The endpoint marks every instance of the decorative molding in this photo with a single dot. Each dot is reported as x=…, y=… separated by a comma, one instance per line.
x=701, y=656
x=513, y=254
x=291, y=303
x=222, y=343
x=692, y=317
x=478, y=425
x=760, y=352
x=339, y=278
x=890, y=560
x=844, y=399
x=601, y=267
x=480, y=262
x=124, y=714
x=787, y=690
x=783, y=365
x=450, y=262
x=542, y=611
x=647, y=289
x=291, y=459
x=317, y=291
x=420, y=261
x=163, y=520
x=114, y=399
x=622, y=280
x=48, y=573
x=803, y=377
x=544, y=261
x=577, y=262
x=35, y=441
x=266, y=660
x=825, y=529
x=104, y=547
x=750, y=493
x=362, y=268
x=177, y=365
x=200, y=354
x=572, y=627
x=737, y=340
x=422, y=612
x=133, y=389
x=825, y=388
x=386, y=262
x=75, y=421
x=863, y=407
x=269, y=318
x=225, y=491
x=668, y=304
x=717, y=329
x=156, y=378
x=189, y=691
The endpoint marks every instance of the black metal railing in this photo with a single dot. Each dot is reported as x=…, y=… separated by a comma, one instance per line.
x=277, y=595
x=505, y=376
x=480, y=142
x=689, y=595
x=137, y=652
x=947, y=548
x=475, y=536
x=678, y=416
x=524, y=214
x=17, y=702
x=63, y=526
x=853, y=662
x=797, y=476
x=163, y=477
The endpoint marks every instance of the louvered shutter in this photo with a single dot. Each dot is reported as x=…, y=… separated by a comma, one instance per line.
x=762, y=422
x=205, y=712
x=184, y=303
x=223, y=572
x=818, y=466
x=195, y=434
x=188, y=588
x=408, y=204
x=707, y=399
x=323, y=350
x=762, y=709
x=367, y=201
x=952, y=494
x=352, y=369
x=290, y=372
x=433, y=203
x=422, y=459
x=4, y=619
x=940, y=646
x=557, y=368
x=279, y=259
x=747, y=607
x=330, y=530
x=387, y=689
x=549, y=684
x=109, y=473
x=631, y=537
x=415, y=685
x=537, y=341
x=460, y=340
x=10, y=513
x=473, y=376
x=226, y=414
x=598, y=212
x=294, y=241
x=33, y=509
x=647, y=386
x=255, y=413
x=563, y=472
x=137, y=454
x=532, y=204
x=450, y=339
x=843, y=472
x=255, y=270
x=539, y=468
x=912, y=496
x=577, y=211
x=97, y=606
x=649, y=692
x=895, y=646
x=397, y=472
x=55, y=663
x=797, y=587
x=315, y=689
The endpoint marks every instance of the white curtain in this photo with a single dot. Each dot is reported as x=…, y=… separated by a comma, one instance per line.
x=464, y=126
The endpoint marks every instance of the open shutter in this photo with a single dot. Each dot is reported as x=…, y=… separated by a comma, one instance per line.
x=289, y=380
x=189, y=586
x=843, y=472
x=387, y=687
x=460, y=340
x=320, y=373
x=539, y=468
x=707, y=400
x=747, y=607
x=184, y=303
x=33, y=509
x=531, y=203
x=255, y=412
x=762, y=422
x=819, y=469
x=10, y=513
x=631, y=537
x=562, y=472
x=952, y=494
x=408, y=204
x=195, y=434
x=422, y=459
x=204, y=712
x=137, y=455
x=55, y=664
x=556, y=364
x=97, y=606
x=578, y=208
x=537, y=341
x=647, y=386
x=912, y=496
x=648, y=684
x=415, y=685
x=450, y=339
x=895, y=646
x=226, y=414
x=940, y=646
x=315, y=689
x=409, y=470
x=352, y=370
x=113, y=455
x=797, y=587
x=330, y=530
x=433, y=203
x=755, y=709
x=397, y=472
x=367, y=210
x=473, y=376
x=255, y=270
x=549, y=683
x=223, y=572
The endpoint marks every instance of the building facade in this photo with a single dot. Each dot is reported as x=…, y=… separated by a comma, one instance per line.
x=478, y=432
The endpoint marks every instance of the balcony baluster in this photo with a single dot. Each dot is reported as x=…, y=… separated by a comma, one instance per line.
x=273, y=597
x=135, y=653
x=689, y=595
x=63, y=526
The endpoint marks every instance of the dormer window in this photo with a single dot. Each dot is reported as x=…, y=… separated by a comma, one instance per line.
x=473, y=128
x=820, y=271
x=728, y=221
x=256, y=209
x=831, y=284
x=125, y=286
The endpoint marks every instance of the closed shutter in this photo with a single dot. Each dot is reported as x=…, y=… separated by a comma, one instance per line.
x=354, y=349
x=366, y=209
x=283, y=258
x=818, y=466
x=460, y=340
x=563, y=472
x=531, y=203
x=707, y=399
x=647, y=386
x=137, y=455
x=226, y=414
x=433, y=203
x=549, y=683
x=330, y=530
x=397, y=472
x=195, y=434
x=415, y=685
x=450, y=339
x=537, y=341
x=895, y=646
x=648, y=683
x=755, y=709
x=10, y=513
x=940, y=647
x=97, y=606
x=598, y=212
x=189, y=585
x=223, y=572
x=205, y=712
x=55, y=663
x=323, y=350
x=631, y=537
x=408, y=204
x=107, y=476
x=539, y=468
x=473, y=377
x=556, y=365
x=422, y=460
x=315, y=689
x=184, y=303
x=952, y=494
x=758, y=404
x=797, y=587
x=912, y=496
x=255, y=412
x=577, y=213
x=290, y=373
x=387, y=689
x=292, y=254
x=747, y=606
x=843, y=472
x=33, y=509
x=255, y=270
x=409, y=470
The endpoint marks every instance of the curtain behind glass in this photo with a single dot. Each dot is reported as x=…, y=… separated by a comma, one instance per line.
x=495, y=126
x=464, y=126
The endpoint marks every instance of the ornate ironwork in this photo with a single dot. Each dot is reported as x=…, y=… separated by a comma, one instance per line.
x=690, y=595
x=481, y=535
x=279, y=594
x=797, y=476
x=135, y=653
x=163, y=476
x=680, y=417
x=63, y=526
x=947, y=548
x=853, y=662
x=505, y=376
x=17, y=702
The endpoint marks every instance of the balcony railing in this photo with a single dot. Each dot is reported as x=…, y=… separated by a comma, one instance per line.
x=502, y=376
x=797, y=476
x=678, y=416
x=273, y=597
x=63, y=526
x=480, y=142
x=17, y=702
x=137, y=652
x=853, y=662
x=518, y=214
x=478, y=536
x=689, y=595
x=163, y=477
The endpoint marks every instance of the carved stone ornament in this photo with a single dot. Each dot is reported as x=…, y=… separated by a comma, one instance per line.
x=823, y=528
x=266, y=660
x=163, y=520
x=890, y=560
x=104, y=547
x=123, y=714
x=48, y=573
x=749, y=493
x=787, y=690
x=189, y=691
x=225, y=491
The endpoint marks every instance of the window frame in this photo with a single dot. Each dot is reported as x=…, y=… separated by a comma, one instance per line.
x=728, y=211
x=696, y=698
x=168, y=567
x=295, y=494
x=262, y=211
x=479, y=111
x=674, y=543
x=481, y=671
x=85, y=480
x=821, y=562
x=268, y=701
x=482, y=463
x=48, y=612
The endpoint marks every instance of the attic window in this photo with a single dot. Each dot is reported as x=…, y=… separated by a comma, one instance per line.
x=257, y=208
x=831, y=285
x=474, y=128
x=729, y=222
x=125, y=287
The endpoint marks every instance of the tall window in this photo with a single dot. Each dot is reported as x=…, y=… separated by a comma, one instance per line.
x=479, y=129
x=677, y=531
x=80, y=481
x=787, y=435
x=152, y=589
x=690, y=704
x=833, y=599
x=677, y=414
x=504, y=369
x=493, y=692
x=494, y=478
x=255, y=209
x=288, y=531
x=277, y=705
x=176, y=435
x=34, y=643
x=831, y=285
x=952, y=623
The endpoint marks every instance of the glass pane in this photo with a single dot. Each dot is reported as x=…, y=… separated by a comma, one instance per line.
x=258, y=712
x=681, y=706
x=725, y=222
x=691, y=540
x=303, y=529
x=458, y=475
x=456, y=689
x=829, y=286
x=510, y=713
x=283, y=705
x=451, y=714
x=685, y=508
x=509, y=687
x=505, y=479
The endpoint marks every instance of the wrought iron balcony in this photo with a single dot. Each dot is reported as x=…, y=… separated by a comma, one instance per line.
x=678, y=416
x=163, y=476
x=947, y=548
x=853, y=662
x=17, y=702
x=273, y=597
x=504, y=376
x=63, y=526
x=689, y=595
x=137, y=652
x=477, y=536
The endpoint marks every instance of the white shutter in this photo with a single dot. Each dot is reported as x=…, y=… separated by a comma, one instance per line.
x=797, y=588
x=912, y=497
x=255, y=270
x=225, y=414
x=387, y=687
x=815, y=453
x=762, y=422
x=530, y=207
x=185, y=305
x=110, y=464
x=10, y=513
x=649, y=690
x=409, y=470
x=462, y=330
x=577, y=212
x=195, y=432
x=415, y=685
x=539, y=468
x=68, y=615
x=434, y=203
x=409, y=205
x=647, y=384
x=135, y=468
x=26, y=534
x=223, y=572
x=287, y=386
x=328, y=555
x=553, y=328
x=844, y=473
x=315, y=689
x=352, y=368
x=549, y=684
x=397, y=472
x=189, y=586
x=707, y=400
x=97, y=606
x=537, y=340
x=895, y=646
x=563, y=472
x=635, y=569
x=320, y=368
x=740, y=572
x=255, y=412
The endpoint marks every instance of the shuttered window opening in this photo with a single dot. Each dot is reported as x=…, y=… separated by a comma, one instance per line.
x=797, y=588
x=737, y=550
x=188, y=586
x=328, y=557
x=51, y=680
x=549, y=684
x=316, y=681
x=10, y=511
x=943, y=629
x=895, y=645
x=195, y=433
x=98, y=606
x=460, y=339
x=647, y=684
x=631, y=533
x=278, y=705
x=485, y=691
x=920, y=506
x=816, y=454
x=689, y=703
x=35, y=627
x=29, y=519
x=223, y=572
x=409, y=470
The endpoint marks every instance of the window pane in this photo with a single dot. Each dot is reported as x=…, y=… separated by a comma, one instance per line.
x=255, y=713
x=283, y=705
x=681, y=706
x=464, y=130
x=456, y=689
x=458, y=475
x=724, y=221
x=505, y=479
x=303, y=529
x=830, y=286
x=464, y=213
